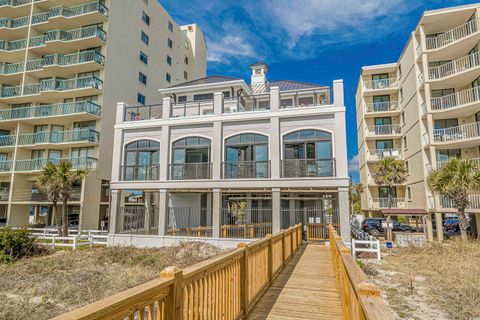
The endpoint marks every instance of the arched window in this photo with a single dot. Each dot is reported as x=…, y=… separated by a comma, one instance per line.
x=142, y=159
x=246, y=156
x=308, y=153
x=191, y=159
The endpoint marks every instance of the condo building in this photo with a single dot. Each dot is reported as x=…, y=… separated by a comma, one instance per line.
x=225, y=161
x=423, y=109
x=64, y=64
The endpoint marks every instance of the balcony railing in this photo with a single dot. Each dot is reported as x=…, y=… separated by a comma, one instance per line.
x=36, y=196
x=55, y=12
x=55, y=35
x=457, y=99
x=441, y=163
x=474, y=199
x=383, y=106
x=4, y=193
x=189, y=222
x=14, y=3
x=140, y=113
x=456, y=66
x=7, y=141
x=245, y=223
x=304, y=98
x=191, y=171
x=81, y=135
x=453, y=35
x=381, y=84
x=246, y=169
x=191, y=109
x=298, y=168
x=51, y=110
x=140, y=172
x=53, y=85
x=137, y=219
x=39, y=163
x=380, y=154
x=387, y=129
x=462, y=132
x=388, y=203
x=6, y=165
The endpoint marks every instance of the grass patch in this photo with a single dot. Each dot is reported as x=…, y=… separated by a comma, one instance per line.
x=43, y=287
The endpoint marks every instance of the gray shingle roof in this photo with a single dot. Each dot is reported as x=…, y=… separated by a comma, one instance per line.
x=207, y=80
x=284, y=85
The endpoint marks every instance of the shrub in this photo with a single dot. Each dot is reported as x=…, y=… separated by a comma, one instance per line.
x=16, y=244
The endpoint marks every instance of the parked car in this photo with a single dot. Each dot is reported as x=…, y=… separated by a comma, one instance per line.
x=451, y=225
x=374, y=227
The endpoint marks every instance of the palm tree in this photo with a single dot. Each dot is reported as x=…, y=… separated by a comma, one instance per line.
x=60, y=179
x=48, y=184
x=453, y=181
x=356, y=190
x=390, y=172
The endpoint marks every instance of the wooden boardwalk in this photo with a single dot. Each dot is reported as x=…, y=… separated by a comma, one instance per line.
x=305, y=289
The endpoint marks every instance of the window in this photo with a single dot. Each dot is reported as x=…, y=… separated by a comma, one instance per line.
x=401, y=94
x=169, y=60
x=405, y=144
x=170, y=26
x=142, y=160
x=185, y=75
x=203, y=97
x=170, y=43
x=141, y=98
x=182, y=99
x=399, y=70
x=142, y=78
x=168, y=77
x=145, y=18
x=403, y=117
x=191, y=158
x=246, y=156
x=144, y=37
x=143, y=57
x=409, y=193
x=407, y=167
x=185, y=60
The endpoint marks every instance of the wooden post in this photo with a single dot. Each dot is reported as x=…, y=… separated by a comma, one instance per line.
x=175, y=298
x=270, y=257
x=243, y=281
x=283, y=247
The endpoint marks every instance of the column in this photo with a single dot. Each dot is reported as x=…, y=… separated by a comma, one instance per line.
x=276, y=224
x=217, y=104
x=344, y=214
x=439, y=224
x=340, y=168
x=217, y=147
x=164, y=152
x=338, y=98
x=428, y=219
x=216, y=211
x=249, y=208
x=114, y=207
x=162, y=212
x=274, y=98
x=275, y=148
x=477, y=224
x=167, y=107
x=292, y=209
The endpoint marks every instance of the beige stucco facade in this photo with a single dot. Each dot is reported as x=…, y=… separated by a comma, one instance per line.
x=423, y=109
x=63, y=67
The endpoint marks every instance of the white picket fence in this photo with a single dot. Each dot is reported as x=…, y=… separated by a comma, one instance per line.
x=372, y=245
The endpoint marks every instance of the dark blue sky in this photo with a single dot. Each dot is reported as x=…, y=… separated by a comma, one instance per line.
x=306, y=40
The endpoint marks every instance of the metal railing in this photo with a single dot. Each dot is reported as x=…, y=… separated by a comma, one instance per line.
x=384, y=129
x=39, y=163
x=381, y=84
x=7, y=141
x=474, y=202
x=309, y=98
x=246, y=169
x=456, y=66
x=35, y=195
x=246, y=223
x=6, y=165
x=43, y=17
x=456, y=99
x=388, y=203
x=14, y=3
x=51, y=110
x=441, y=163
x=191, y=171
x=191, y=109
x=53, y=85
x=139, y=113
x=137, y=219
x=382, y=106
x=140, y=172
x=380, y=154
x=316, y=220
x=189, y=222
x=462, y=132
x=453, y=35
x=78, y=135
x=297, y=168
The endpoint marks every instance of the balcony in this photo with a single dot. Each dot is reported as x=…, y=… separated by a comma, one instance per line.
x=441, y=163
x=386, y=203
x=191, y=109
x=7, y=141
x=384, y=130
x=462, y=66
x=4, y=193
x=303, y=168
x=380, y=154
x=451, y=36
x=83, y=111
x=468, y=100
x=474, y=199
x=6, y=166
x=246, y=169
x=381, y=107
x=81, y=137
x=14, y=7
x=39, y=163
x=140, y=172
x=34, y=195
x=465, y=135
x=299, y=99
x=191, y=171
x=381, y=84
x=141, y=113
x=50, y=88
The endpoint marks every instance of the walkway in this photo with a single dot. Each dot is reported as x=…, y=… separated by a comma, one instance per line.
x=305, y=289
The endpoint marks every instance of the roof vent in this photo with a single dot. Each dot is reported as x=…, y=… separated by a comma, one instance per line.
x=259, y=73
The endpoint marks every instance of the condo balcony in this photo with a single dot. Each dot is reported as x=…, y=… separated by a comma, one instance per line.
x=6, y=166
x=465, y=135
x=15, y=8
x=467, y=100
x=384, y=203
x=387, y=85
x=441, y=163
x=302, y=168
x=453, y=36
x=191, y=171
x=72, y=111
x=382, y=107
x=456, y=72
x=140, y=172
x=380, y=154
x=4, y=193
x=78, y=138
x=448, y=205
x=7, y=141
x=384, y=130
x=50, y=89
x=39, y=163
x=141, y=113
x=55, y=18
x=246, y=169
x=34, y=195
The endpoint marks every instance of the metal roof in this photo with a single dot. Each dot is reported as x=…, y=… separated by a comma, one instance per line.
x=206, y=80
x=285, y=85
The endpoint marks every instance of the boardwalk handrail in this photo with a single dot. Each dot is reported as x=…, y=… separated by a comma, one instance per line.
x=224, y=287
x=360, y=298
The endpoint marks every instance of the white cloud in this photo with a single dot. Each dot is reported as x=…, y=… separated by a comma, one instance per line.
x=230, y=46
x=353, y=165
